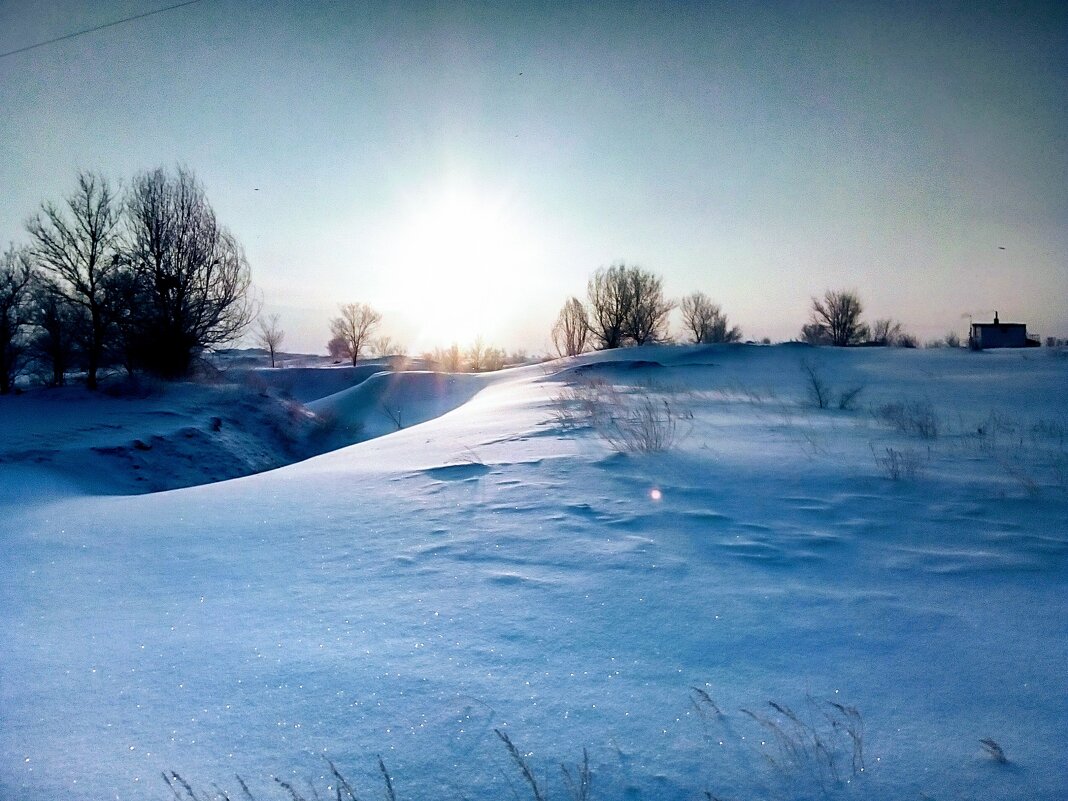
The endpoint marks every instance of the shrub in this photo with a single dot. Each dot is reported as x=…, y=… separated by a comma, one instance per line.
x=907, y=341
x=645, y=422
x=885, y=332
x=818, y=390
x=915, y=417
x=847, y=398
x=898, y=464
x=641, y=425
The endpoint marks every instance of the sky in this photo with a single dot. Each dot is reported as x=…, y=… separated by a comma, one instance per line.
x=465, y=167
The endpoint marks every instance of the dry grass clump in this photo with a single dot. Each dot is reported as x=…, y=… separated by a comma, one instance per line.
x=900, y=464
x=643, y=420
x=914, y=417
x=1034, y=456
x=812, y=745
x=814, y=752
x=994, y=751
x=823, y=395
x=819, y=748
x=819, y=391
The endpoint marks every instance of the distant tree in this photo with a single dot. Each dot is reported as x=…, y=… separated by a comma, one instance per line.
x=610, y=304
x=53, y=345
x=626, y=305
x=814, y=334
x=952, y=339
x=76, y=247
x=450, y=359
x=493, y=359
x=837, y=315
x=475, y=356
x=704, y=321
x=885, y=332
x=571, y=331
x=129, y=311
x=191, y=274
x=483, y=358
x=354, y=327
x=338, y=349
x=906, y=340
x=387, y=346
x=649, y=310
x=15, y=286
x=269, y=335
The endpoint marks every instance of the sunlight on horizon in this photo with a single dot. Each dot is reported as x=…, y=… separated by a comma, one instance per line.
x=460, y=256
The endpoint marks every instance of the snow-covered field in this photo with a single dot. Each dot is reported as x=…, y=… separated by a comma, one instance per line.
x=759, y=611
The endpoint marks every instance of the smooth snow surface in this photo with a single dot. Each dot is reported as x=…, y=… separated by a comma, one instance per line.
x=500, y=566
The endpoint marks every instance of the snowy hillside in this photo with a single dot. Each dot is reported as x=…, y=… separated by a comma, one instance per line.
x=786, y=601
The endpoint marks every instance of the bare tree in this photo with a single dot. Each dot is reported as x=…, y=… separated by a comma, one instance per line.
x=15, y=285
x=571, y=331
x=191, y=272
x=885, y=332
x=387, y=346
x=450, y=359
x=355, y=327
x=56, y=323
x=610, y=306
x=75, y=245
x=837, y=315
x=705, y=322
x=647, y=318
x=481, y=358
x=493, y=359
x=269, y=335
x=475, y=356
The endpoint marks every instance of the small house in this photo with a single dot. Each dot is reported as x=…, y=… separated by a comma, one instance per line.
x=1000, y=335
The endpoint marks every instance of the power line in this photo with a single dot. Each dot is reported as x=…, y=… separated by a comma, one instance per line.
x=98, y=28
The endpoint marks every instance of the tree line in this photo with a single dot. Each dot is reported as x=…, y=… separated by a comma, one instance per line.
x=626, y=305
x=148, y=280
x=144, y=280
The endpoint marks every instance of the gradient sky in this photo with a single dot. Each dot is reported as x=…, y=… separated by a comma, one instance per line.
x=464, y=167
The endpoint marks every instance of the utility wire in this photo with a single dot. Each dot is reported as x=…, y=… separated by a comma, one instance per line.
x=98, y=28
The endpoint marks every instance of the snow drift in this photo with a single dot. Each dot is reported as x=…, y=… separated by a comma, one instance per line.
x=761, y=611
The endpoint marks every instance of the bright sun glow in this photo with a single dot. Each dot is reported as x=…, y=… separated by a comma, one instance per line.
x=461, y=258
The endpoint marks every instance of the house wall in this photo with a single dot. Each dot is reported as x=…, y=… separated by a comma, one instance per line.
x=1000, y=335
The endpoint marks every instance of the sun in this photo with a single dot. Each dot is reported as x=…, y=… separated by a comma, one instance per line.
x=460, y=257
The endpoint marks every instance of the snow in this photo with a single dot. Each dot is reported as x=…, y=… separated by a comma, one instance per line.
x=494, y=564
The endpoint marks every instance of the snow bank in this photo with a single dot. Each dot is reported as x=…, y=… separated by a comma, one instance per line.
x=500, y=567
x=306, y=384
x=387, y=402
